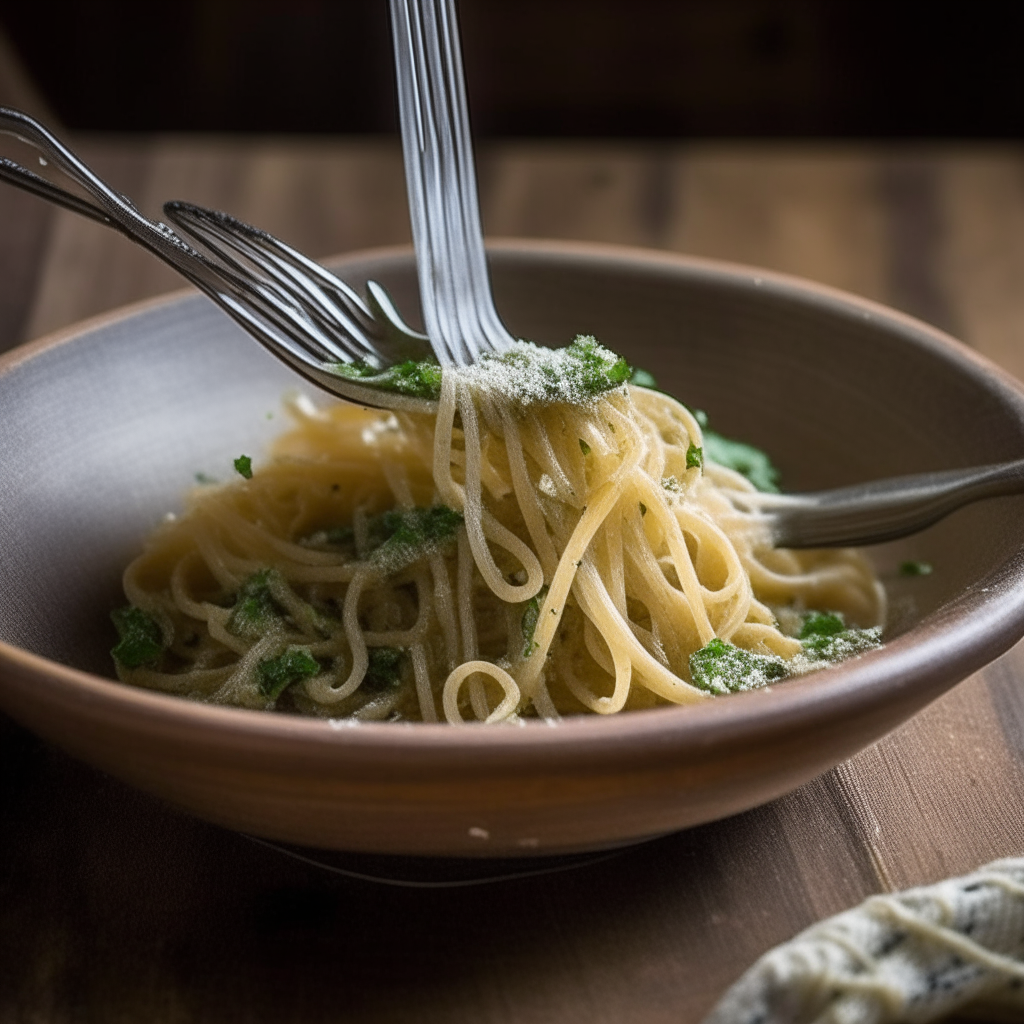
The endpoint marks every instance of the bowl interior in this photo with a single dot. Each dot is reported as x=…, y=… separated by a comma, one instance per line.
x=103, y=433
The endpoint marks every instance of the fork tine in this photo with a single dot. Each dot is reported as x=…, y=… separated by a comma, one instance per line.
x=377, y=315
x=267, y=242
x=333, y=332
x=437, y=147
x=220, y=233
x=266, y=308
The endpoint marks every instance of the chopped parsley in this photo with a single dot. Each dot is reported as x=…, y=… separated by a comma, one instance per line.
x=141, y=640
x=584, y=447
x=243, y=466
x=721, y=667
x=915, y=569
x=255, y=611
x=275, y=675
x=743, y=458
x=531, y=614
x=825, y=638
x=416, y=379
x=818, y=624
x=399, y=537
x=643, y=510
x=526, y=373
x=384, y=669
x=694, y=457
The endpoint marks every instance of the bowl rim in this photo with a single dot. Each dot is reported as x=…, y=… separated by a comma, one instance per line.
x=956, y=639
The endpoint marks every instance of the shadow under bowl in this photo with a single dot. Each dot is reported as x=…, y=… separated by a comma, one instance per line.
x=104, y=427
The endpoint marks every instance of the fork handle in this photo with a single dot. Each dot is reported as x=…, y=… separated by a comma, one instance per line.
x=887, y=509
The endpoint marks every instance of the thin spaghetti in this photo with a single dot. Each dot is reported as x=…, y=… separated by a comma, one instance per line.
x=491, y=557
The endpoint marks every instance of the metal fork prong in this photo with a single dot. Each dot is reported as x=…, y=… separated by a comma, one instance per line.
x=261, y=307
x=216, y=231
x=335, y=336
x=455, y=289
x=485, y=316
x=281, y=255
x=327, y=345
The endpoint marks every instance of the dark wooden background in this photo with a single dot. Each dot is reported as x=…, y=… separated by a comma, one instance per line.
x=114, y=907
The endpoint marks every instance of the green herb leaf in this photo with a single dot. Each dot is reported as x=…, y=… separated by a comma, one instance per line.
x=694, y=457
x=255, y=611
x=721, y=667
x=141, y=640
x=835, y=647
x=243, y=465
x=384, y=670
x=400, y=537
x=531, y=614
x=275, y=675
x=584, y=447
x=643, y=510
x=416, y=379
x=743, y=458
x=915, y=569
x=822, y=624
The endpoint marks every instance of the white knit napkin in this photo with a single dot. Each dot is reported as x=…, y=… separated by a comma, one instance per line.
x=913, y=956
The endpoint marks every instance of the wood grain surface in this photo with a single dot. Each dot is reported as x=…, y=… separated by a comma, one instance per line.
x=116, y=908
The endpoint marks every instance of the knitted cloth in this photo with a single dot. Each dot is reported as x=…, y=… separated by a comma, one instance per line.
x=912, y=956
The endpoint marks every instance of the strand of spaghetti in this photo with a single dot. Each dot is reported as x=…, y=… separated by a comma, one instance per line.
x=444, y=608
x=597, y=647
x=481, y=525
x=405, y=637
x=421, y=672
x=467, y=622
x=616, y=570
x=398, y=481
x=234, y=688
x=179, y=589
x=601, y=503
x=450, y=492
x=321, y=687
x=668, y=602
x=598, y=607
x=526, y=497
x=452, y=685
x=730, y=602
x=663, y=516
x=240, y=529
x=538, y=444
x=215, y=562
x=597, y=611
x=583, y=693
x=543, y=703
x=216, y=623
x=205, y=681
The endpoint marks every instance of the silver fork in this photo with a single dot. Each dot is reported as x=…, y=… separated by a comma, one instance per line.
x=302, y=314
x=455, y=290
x=327, y=308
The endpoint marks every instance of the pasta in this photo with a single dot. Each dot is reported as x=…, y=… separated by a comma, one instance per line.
x=536, y=537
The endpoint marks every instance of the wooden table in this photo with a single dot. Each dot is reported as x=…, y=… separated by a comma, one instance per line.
x=114, y=907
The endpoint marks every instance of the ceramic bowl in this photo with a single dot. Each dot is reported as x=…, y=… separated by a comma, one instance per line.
x=103, y=427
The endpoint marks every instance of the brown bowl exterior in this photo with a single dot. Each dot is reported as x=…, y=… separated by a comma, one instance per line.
x=102, y=429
